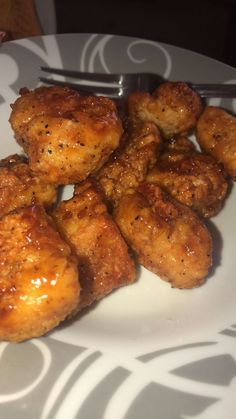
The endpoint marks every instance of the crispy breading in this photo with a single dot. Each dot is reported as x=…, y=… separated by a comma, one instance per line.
x=174, y=107
x=54, y=101
x=193, y=178
x=216, y=134
x=68, y=149
x=167, y=237
x=129, y=164
x=66, y=136
x=39, y=283
x=104, y=260
x=20, y=187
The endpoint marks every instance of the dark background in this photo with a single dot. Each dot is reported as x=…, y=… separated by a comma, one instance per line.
x=204, y=26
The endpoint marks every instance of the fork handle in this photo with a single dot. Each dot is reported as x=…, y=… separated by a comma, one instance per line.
x=215, y=90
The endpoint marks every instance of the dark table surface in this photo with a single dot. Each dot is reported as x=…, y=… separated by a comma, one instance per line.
x=204, y=26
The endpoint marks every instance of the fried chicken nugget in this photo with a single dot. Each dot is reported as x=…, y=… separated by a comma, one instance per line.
x=192, y=178
x=41, y=101
x=167, y=237
x=174, y=107
x=104, y=261
x=69, y=148
x=216, y=134
x=20, y=187
x=128, y=166
x=39, y=285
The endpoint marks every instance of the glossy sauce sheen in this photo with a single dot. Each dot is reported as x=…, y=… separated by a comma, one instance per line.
x=66, y=136
x=167, y=237
x=39, y=283
x=104, y=260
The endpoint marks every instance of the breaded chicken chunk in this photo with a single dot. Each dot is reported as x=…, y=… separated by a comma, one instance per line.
x=192, y=178
x=43, y=100
x=104, y=261
x=39, y=283
x=20, y=187
x=174, y=107
x=129, y=164
x=216, y=134
x=67, y=149
x=167, y=237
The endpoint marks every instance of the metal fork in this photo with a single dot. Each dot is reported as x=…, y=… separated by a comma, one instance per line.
x=119, y=86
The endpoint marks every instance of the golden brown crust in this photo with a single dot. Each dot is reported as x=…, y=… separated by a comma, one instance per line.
x=216, y=134
x=54, y=101
x=20, y=187
x=66, y=136
x=128, y=166
x=174, y=107
x=167, y=237
x=104, y=261
x=73, y=139
x=39, y=284
x=193, y=178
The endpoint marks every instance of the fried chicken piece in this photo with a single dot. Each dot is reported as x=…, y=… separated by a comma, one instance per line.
x=128, y=166
x=174, y=107
x=20, y=187
x=39, y=284
x=104, y=261
x=69, y=148
x=167, y=237
x=43, y=100
x=192, y=178
x=216, y=134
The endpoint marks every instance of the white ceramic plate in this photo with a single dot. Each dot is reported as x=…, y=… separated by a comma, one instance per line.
x=146, y=351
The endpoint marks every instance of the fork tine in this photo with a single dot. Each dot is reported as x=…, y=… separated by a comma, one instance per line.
x=96, y=77
x=112, y=92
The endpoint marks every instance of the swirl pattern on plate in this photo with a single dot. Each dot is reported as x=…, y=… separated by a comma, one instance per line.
x=76, y=373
